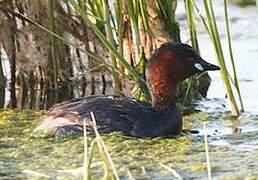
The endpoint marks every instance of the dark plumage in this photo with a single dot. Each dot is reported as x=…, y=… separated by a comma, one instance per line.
x=169, y=65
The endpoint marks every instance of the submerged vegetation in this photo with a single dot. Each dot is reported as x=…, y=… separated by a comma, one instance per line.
x=24, y=157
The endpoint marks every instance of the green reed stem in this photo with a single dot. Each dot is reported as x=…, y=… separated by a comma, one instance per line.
x=201, y=16
x=120, y=26
x=136, y=76
x=144, y=14
x=120, y=36
x=220, y=56
x=191, y=23
x=194, y=40
x=97, y=9
x=231, y=56
x=133, y=7
x=230, y=48
x=110, y=38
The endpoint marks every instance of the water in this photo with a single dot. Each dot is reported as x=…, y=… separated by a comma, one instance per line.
x=233, y=143
x=232, y=154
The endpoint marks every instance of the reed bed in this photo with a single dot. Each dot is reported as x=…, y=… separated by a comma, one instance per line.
x=112, y=49
x=124, y=31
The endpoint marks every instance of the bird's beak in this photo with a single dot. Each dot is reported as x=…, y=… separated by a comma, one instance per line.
x=202, y=65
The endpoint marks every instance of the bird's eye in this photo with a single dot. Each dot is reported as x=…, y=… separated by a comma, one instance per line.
x=198, y=66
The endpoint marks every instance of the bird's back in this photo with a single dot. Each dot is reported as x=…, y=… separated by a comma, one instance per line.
x=112, y=113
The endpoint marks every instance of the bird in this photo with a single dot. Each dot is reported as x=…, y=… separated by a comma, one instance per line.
x=169, y=65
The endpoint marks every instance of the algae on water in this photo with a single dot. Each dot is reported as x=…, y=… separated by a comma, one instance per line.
x=22, y=156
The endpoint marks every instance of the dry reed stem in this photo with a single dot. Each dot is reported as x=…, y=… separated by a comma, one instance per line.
x=175, y=174
x=130, y=175
x=207, y=151
x=103, y=146
x=85, y=142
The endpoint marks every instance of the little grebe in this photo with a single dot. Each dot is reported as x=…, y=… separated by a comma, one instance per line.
x=169, y=65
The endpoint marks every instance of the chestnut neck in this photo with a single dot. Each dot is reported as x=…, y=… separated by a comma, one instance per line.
x=164, y=99
x=165, y=70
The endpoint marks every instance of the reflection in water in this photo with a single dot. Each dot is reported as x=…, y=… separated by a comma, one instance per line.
x=235, y=127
